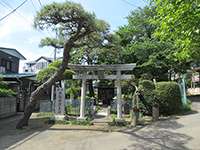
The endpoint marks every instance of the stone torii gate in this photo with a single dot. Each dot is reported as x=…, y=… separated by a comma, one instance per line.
x=97, y=73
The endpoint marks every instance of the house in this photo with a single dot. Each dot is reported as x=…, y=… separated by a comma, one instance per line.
x=9, y=60
x=37, y=65
x=21, y=83
x=34, y=67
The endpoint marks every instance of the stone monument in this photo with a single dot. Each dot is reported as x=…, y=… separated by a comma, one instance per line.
x=60, y=104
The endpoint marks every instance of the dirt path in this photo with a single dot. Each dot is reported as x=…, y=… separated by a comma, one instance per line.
x=177, y=133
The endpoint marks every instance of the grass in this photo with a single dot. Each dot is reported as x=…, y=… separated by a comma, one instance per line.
x=45, y=115
x=71, y=122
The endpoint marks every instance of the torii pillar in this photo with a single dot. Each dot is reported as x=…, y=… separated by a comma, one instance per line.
x=82, y=103
x=119, y=96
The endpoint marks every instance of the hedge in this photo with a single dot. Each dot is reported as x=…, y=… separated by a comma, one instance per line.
x=147, y=87
x=169, y=98
x=4, y=90
x=6, y=93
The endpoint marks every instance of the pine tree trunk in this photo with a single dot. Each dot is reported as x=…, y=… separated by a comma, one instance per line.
x=37, y=93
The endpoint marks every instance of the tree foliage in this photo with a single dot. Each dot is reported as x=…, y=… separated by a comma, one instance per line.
x=152, y=56
x=178, y=20
x=46, y=73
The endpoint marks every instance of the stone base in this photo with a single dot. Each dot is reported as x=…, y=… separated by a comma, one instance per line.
x=120, y=120
x=81, y=118
x=59, y=117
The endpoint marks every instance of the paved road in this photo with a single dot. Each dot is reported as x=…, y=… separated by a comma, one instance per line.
x=177, y=133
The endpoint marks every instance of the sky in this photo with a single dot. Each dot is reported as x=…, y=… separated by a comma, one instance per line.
x=17, y=31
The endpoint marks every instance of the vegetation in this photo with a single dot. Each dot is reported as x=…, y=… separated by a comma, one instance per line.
x=5, y=91
x=178, y=21
x=169, y=97
x=86, y=122
x=154, y=57
x=46, y=73
x=147, y=89
x=45, y=114
x=162, y=39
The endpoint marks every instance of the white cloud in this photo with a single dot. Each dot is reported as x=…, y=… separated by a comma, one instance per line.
x=15, y=23
x=33, y=40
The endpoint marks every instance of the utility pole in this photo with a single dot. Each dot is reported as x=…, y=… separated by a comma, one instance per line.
x=55, y=51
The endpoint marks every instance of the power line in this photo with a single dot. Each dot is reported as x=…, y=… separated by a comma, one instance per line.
x=40, y=3
x=11, y=12
x=127, y=2
x=7, y=5
x=33, y=5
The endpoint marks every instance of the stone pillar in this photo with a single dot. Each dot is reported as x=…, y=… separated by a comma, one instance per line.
x=155, y=112
x=119, y=96
x=82, y=104
x=60, y=104
x=52, y=99
x=108, y=111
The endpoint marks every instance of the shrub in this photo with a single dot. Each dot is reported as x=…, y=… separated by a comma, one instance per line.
x=4, y=89
x=169, y=97
x=6, y=93
x=147, y=87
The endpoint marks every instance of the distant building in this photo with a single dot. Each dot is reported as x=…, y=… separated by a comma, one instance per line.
x=21, y=83
x=9, y=60
x=37, y=65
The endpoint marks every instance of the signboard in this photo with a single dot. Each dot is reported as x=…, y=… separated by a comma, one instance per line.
x=60, y=101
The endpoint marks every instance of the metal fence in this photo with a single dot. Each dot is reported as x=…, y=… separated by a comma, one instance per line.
x=126, y=106
x=73, y=107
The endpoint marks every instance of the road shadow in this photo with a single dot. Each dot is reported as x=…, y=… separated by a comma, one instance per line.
x=191, y=112
x=98, y=116
x=158, y=136
x=10, y=137
x=170, y=123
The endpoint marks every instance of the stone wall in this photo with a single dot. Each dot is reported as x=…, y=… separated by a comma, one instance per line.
x=7, y=106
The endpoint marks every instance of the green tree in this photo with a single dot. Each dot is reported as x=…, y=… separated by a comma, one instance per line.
x=88, y=49
x=178, y=20
x=45, y=74
x=139, y=27
x=153, y=57
x=75, y=24
x=140, y=45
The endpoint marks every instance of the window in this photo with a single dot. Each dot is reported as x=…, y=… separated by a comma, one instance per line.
x=7, y=64
x=3, y=62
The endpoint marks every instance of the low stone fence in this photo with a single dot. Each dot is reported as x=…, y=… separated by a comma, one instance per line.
x=7, y=106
